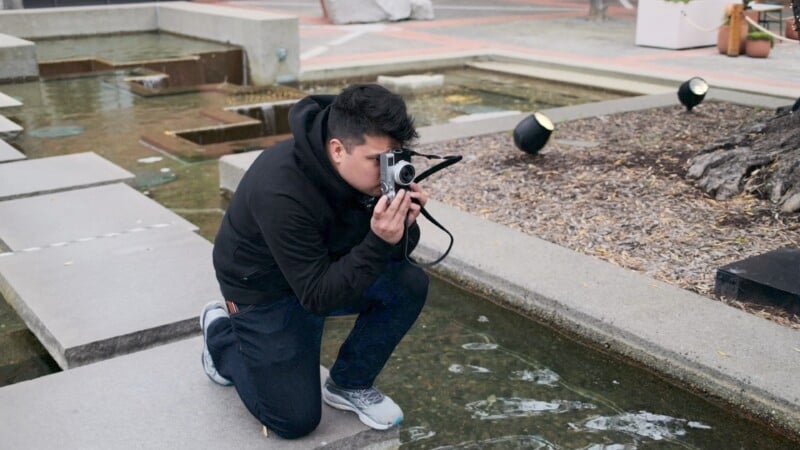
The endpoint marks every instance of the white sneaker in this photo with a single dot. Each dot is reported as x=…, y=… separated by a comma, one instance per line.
x=211, y=312
x=374, y=409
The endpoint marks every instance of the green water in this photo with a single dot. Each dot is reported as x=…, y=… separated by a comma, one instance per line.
x=122, y=48
x=471, y=91
x=471, y=374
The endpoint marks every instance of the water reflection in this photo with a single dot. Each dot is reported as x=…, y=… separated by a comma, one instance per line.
x=505, y=382
x=494, y=408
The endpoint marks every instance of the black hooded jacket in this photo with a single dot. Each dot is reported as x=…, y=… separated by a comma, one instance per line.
x=295, y=227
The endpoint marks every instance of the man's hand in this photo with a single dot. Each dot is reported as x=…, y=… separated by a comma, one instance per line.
x=388, y=221
x=419, y=198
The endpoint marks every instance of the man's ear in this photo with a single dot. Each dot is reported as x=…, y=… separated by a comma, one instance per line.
x=336, y=150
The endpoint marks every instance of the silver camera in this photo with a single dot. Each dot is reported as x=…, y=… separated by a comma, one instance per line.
x=395, y=173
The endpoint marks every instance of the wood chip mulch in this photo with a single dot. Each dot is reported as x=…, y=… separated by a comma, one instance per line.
x=614, y=187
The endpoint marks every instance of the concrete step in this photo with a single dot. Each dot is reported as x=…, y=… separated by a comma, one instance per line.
x=57, y=173
x=94, y=212
x=111, y=295
x=9, y=153
x=8, y=102
x=9, y=129
x=155, y=399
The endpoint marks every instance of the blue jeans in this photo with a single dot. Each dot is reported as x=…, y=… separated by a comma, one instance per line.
x=271, y=352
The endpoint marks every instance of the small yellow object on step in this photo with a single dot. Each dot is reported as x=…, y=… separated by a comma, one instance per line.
x=264, y=431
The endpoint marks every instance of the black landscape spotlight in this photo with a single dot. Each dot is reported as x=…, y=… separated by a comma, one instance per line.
x=532, y=133
x=692, y=91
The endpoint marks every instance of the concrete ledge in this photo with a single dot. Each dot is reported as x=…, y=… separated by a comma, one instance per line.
x=155, y=399
x=233, y=167
x=41, y=23
x=57, y=173
x=100, y=297
x=9, y=153
x=272, y=41
x=17, y=60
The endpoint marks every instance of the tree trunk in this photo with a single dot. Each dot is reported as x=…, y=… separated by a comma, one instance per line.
x=597, y=10
x=763, y=160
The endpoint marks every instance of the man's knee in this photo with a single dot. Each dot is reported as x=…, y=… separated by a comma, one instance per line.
x=294, y=426
x=415, y=282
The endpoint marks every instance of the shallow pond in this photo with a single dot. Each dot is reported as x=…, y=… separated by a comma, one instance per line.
x=473, y=375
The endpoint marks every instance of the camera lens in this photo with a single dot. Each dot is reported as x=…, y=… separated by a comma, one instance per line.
x=404, y=173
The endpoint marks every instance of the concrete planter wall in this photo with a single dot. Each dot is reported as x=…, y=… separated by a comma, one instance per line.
x=672, y=25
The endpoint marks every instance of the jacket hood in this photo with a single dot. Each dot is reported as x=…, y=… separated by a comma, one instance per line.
x=308, y=119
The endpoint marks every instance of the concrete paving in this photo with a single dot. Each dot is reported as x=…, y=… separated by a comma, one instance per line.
x=57, y=173
x=110, y=295
x=9, y=153
x=80, y=214
x=155, y=399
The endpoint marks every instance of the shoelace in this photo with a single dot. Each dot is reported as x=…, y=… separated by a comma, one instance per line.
x=366, y=397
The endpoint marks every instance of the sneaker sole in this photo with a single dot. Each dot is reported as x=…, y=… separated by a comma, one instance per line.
x=338, y=402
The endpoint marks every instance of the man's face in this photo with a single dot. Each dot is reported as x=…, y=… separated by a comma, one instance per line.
x=360, y=167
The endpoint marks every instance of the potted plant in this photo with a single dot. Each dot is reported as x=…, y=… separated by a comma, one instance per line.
x=724, y=32
x=758, y=44
x=678, y=24
x=789, y=31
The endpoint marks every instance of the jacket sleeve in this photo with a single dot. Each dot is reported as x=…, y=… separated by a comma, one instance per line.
x=296, y=242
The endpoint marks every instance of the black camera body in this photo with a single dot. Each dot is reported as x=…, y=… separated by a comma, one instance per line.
x=396, y=171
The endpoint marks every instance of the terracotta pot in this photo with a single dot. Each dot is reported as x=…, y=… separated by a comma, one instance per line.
x=722, y=38
x=757, y=49
x=789, y=30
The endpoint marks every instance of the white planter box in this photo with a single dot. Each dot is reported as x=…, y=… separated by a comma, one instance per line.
x=664, y=24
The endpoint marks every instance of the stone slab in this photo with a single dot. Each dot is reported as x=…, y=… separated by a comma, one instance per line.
x=155, y=399
x=8, y=102
x=742, y=358
x=102, y=297
x=17, y=56
x=9, y=153
x=411, y=84
x=233, y=167
x=57, y=173
x=271, y=39
x=9, y=129
x=39, y=23
x=366, y=11
x=80, y=214
x=772, y=278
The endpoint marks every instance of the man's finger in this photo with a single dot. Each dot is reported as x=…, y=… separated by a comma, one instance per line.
x=380, y=207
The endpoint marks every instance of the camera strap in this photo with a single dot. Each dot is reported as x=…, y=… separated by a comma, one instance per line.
x=447, y=161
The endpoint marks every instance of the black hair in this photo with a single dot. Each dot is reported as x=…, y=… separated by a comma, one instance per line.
x=369, y=109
